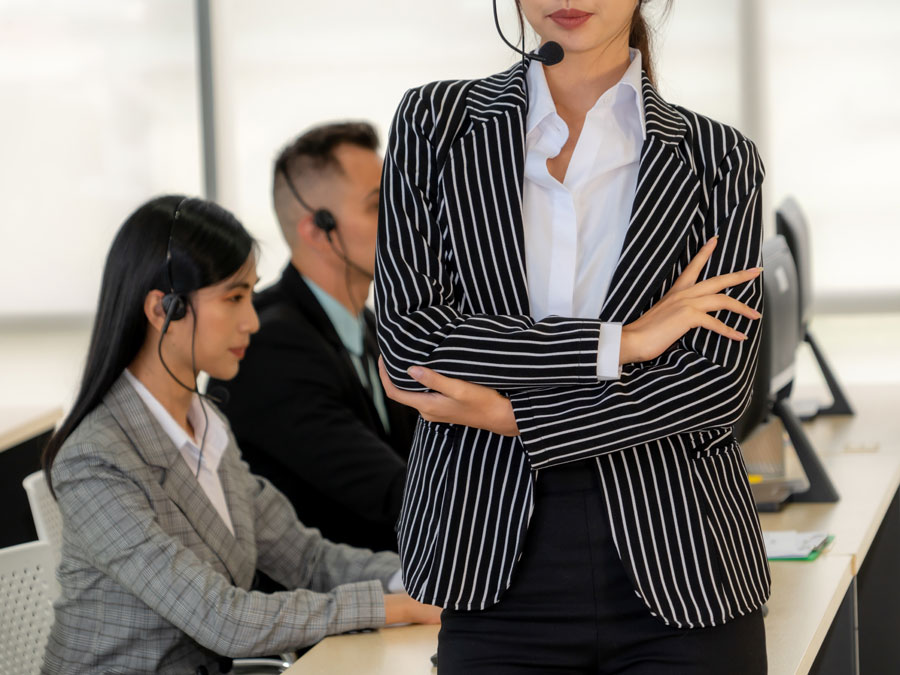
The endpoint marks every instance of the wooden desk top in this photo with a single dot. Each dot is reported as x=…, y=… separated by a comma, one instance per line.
x=20, y=424
x=405, y=650
x=862, y=456
x=805, y=598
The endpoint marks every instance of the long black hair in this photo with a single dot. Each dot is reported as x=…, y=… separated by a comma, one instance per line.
x=207, y=245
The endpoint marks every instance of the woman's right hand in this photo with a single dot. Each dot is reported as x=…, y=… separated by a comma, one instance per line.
x=400, y=608
x=685, y=306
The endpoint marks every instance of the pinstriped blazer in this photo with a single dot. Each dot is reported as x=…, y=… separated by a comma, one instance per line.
x=451, y=293
x=154, y=582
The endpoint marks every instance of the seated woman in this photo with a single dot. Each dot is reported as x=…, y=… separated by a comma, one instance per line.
x=163, y=525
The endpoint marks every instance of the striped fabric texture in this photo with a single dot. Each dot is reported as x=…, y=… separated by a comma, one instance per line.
x=451, y=294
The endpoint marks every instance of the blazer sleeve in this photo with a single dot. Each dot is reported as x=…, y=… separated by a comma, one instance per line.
x=109, y=514
x=299, y=557
x=703, y=381
x=419, y=317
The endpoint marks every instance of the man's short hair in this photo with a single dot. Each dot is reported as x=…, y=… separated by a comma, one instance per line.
x=312, y=152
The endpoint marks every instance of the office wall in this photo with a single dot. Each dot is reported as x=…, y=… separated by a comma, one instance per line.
x=98, y=110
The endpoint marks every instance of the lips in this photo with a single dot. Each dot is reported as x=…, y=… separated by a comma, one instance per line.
x=570, y=18
x=238, y=351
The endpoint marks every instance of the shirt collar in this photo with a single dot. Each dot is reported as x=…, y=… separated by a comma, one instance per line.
x=348, y=327
x=541, y=105
x=216, y=440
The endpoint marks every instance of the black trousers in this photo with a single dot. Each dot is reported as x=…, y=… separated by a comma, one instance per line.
x=571, y=608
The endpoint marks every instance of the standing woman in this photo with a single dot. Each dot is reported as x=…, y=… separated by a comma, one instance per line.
x=568, y=263
x=163, y=524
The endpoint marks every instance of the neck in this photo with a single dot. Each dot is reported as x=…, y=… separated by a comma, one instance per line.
x=348, y=287
x=582, y=77
x=147, y=368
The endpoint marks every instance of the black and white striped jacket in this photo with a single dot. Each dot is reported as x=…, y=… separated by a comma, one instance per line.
x=451, y=294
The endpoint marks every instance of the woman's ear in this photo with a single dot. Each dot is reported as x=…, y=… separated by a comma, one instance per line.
x=153, y=309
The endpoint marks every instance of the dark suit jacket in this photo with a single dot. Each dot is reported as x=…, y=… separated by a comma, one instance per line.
x=452, y=294
x=304, y=420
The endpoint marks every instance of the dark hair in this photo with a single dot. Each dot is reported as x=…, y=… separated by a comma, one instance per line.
x=314, y=148
x=208, y=245
x=639, y=38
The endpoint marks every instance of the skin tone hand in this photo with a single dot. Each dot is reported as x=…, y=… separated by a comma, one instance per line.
x=685, y=306
x=400, y=608
x=454, y=401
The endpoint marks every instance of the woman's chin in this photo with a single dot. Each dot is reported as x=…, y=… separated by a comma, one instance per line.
x=224, y=372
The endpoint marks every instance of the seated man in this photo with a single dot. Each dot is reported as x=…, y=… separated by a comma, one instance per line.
x=307, y=407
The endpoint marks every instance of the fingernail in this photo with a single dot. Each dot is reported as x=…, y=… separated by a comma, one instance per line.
x=756, y=315
x=741, y=336
x=415, y=372
x=760, y=269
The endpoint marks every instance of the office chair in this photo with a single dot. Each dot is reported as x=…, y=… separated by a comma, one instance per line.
x=44, y=511
x=27, y=590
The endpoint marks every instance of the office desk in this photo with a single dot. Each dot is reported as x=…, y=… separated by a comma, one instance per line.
x=805, y=600
x=23, y=433
x=405, y=650
x=18, y=425
x=812, y=610
x=862, y=456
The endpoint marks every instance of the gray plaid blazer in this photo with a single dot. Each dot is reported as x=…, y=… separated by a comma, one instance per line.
x=154, y=582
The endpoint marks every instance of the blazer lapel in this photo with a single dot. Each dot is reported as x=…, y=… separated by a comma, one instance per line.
x=665, y=203
x=175, y=477
x=294, y=287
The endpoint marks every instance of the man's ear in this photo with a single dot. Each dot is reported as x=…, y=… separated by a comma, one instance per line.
x=311, y=235
x=153, y=309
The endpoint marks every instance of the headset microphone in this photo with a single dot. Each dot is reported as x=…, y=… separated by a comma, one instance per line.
x=549, y=53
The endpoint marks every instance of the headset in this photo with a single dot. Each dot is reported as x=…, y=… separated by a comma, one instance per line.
x=175, y=305
x=324, y=220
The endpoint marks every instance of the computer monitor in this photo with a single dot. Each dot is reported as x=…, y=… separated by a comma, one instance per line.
x=791, y=223
x=780, y=337
x=774, y=380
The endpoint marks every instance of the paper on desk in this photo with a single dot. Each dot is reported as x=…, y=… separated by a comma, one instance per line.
x=793, y=544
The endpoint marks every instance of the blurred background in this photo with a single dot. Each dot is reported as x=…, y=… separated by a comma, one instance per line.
x=105, y=103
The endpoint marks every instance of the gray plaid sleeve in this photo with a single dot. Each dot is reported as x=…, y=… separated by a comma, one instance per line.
x=299, y=557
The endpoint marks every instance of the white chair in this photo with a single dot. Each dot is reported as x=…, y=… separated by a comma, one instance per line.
x=44, y=511
x=27, y=590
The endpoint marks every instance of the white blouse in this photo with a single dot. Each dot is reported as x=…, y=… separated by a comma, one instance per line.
x=213, y=447
x=575, y=230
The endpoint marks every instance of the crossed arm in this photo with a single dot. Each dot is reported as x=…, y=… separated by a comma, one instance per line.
x=687, y=362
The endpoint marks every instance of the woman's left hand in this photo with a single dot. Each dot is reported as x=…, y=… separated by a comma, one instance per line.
x=454, y=401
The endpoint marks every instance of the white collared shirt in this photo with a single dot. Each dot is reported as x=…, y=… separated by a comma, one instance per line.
x=575, y=230
x=214, y=444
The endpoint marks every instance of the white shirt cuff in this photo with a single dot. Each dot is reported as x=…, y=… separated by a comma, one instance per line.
x=395, y=583
x=610, y=343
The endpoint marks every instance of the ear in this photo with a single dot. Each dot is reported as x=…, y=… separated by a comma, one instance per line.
x=310, y=235
x=153, y=309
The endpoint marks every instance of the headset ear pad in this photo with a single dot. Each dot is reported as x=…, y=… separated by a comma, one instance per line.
x=324, y=220
x=174, y=306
